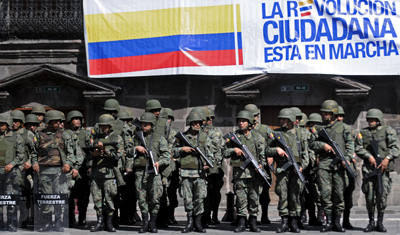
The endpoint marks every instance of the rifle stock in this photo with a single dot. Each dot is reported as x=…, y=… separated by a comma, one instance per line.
x=149, y=152
x=186, y=142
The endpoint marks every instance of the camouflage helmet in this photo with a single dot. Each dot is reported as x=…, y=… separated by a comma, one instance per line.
x=200, y=110
x=375, y=113
x=341, y=111
x=62, y=116
x=245, y=114
x=32, y=118
x=152, y=104
x=304, y=120
x=315, y=117
x=253, y=109
x=212, y=113
x=6, y=118
x=170, y=113
x=53, y=115
x=148, y=117
x=296, y=111
x=193, y=117
x=330, y=106
x=38, y=109
x=106, y=119
x=163, y=113
x=287, y=113
x=111, y=105
x=74, y=114
x=18, y=115
x=124, y=115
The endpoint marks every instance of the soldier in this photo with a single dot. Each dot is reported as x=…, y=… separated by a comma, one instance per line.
x=40, y=111
x=265, y=131
x=81, y=189
x=303, y=120
x=193, y=171
x=12, y=155
x=148, y=184
x=246, y=182
x=214, y=175
x=53, y=161
x=289, y=188
x=331, y=179
x=388, y=147
x=105, y=159
x=154, y=106
x=351, y=185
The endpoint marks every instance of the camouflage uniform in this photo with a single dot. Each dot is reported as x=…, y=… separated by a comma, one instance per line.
x=331, y=181
x=12, y=151
x=388, y=147
x=246, y=183
x=288, y=185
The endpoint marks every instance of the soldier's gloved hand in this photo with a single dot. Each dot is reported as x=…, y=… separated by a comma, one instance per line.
x=372, y=161
x=66, y=168
x=141, y=149
x=239, y=152
x=281, y=152
x=36, y=167
x=8, y=168
x=74, y=173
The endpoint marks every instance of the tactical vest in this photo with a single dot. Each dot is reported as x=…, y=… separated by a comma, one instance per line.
x=7, y=149
x=82, y=137
x=251, y=143
x=141, y=159
x=191, y=161
x=118, y=127
x=336, y=132
x=161, y=127
x=51, y=147
x=106, y=161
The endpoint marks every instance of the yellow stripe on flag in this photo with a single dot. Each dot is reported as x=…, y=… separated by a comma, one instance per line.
x=302, y=3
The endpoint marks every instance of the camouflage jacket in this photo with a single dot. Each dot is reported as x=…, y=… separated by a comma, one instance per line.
x=13, y=142
x=217, y=147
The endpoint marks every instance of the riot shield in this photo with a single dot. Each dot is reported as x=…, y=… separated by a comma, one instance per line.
x=9, y=193
x=51, y=200
x=25, y=205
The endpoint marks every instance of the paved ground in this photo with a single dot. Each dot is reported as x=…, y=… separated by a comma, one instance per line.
x=359, y=220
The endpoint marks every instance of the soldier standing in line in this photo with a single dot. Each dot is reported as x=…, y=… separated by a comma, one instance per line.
x=81, y=189
x=351, y=185
x=12, y=155
x=154, y=106
x=388, y=147
x=148, y=184
x=265, y=131
x=331, y=180
x=102, y=173
x=289, y=188
x=40, y=111
x=193, y=171
x=247, y=183
x=53, y=161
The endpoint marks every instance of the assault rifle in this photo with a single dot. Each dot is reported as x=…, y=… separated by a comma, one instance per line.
x=339, y=156
x=149, y=154
x=291, y=160
x=248, y=156
x=186, y=142
x=89, y=149
x=137, y=124
x=376, y=172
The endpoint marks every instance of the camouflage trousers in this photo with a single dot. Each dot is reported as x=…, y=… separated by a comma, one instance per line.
x=247, y=196
x=370, y=189
x=103, y=192
x=149, y=189
x=10, y=185
x=289, y=190
x=331, y=184
x=193, y=191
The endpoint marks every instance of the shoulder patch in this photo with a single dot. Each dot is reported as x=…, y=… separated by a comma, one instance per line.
x=34, y=139
x=359, y=136
x=93, y=132
x=313, y=130
x=271, y=135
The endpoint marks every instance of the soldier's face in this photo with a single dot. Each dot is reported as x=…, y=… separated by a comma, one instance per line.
x=256, y=118
x=105, y=128
x=3, y=126
x=284, y=122
x=243, y=124
x=209, y=121
x=40, y=117
x=146, y=126
x=55, y=124
x=156, y=112
x=372, y=122
x=16, y=124
x=340, y=118
x=76, y=122
x=327, y=116
x=196, y=125
x=31, y=127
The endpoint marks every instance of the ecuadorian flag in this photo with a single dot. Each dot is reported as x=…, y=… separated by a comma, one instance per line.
x=126, y=37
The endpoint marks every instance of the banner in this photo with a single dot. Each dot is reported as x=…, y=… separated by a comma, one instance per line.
x=234, y=37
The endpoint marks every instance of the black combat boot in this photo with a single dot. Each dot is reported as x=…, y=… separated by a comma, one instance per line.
x=241, y=225
x=145, y=223
x=171, y=215
x=253, y=224
x=100, y=224
x=294, y=224
x=337, y=226
x=328, y=226
x=300, y=221
x=82, y=217
x=346, y=220
x=215, y=219
x=58, y=223
x=198, y=227
x=110, y=225
x=284, y=225
x=152, y=223
x=320, y=215
x=371, y=225
x=312, y=219
x=206, y=219
x=48, y=222
x=379, y=224
x=189, y=226
x=264, y=216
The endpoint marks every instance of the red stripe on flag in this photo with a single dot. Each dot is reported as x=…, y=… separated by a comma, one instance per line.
x=163, y=60
x=306, y=14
